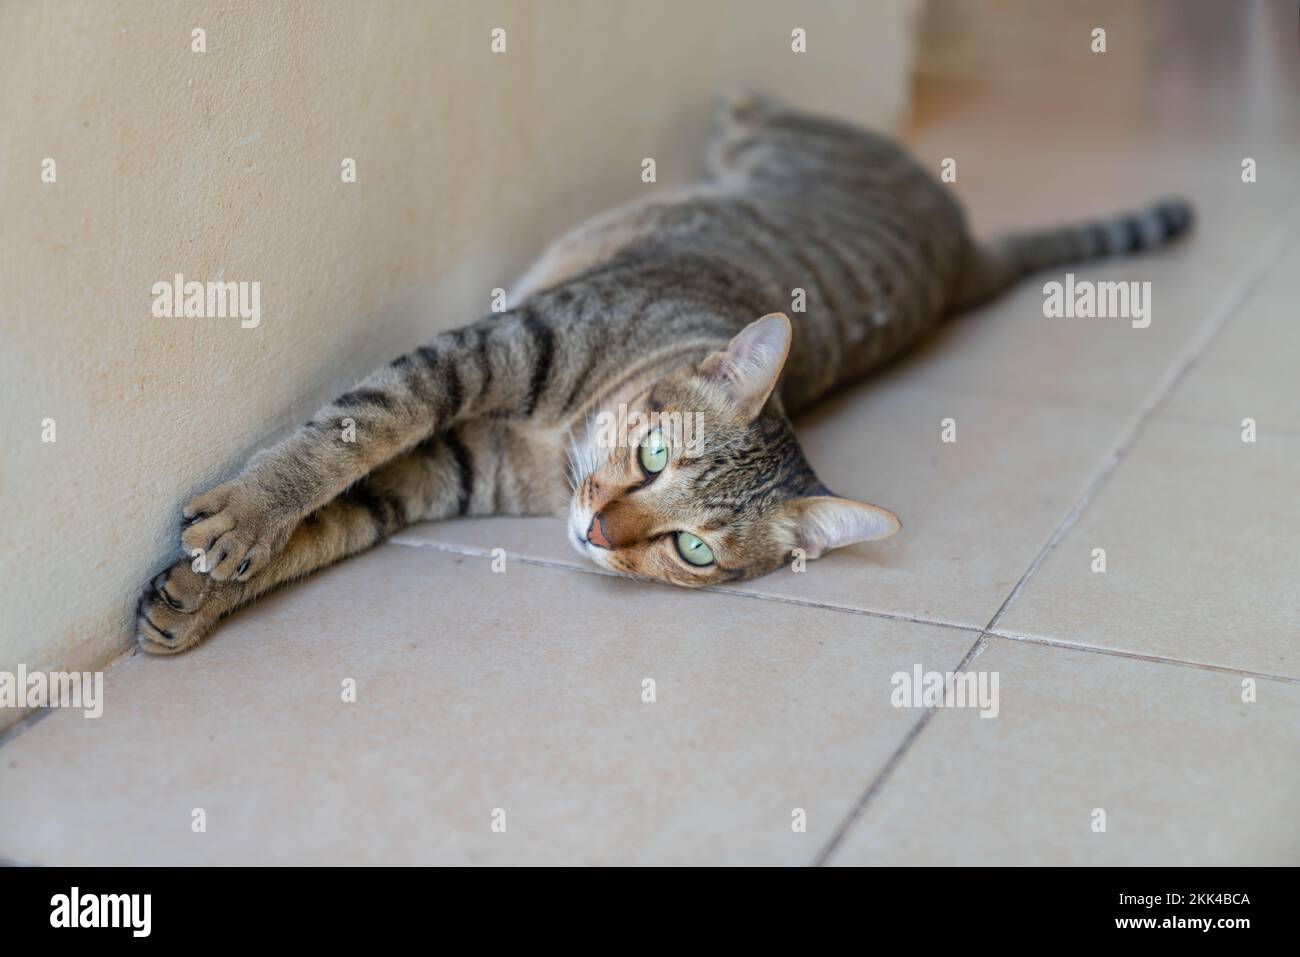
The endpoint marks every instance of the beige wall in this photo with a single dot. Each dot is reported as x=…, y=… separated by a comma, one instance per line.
x=226, y=164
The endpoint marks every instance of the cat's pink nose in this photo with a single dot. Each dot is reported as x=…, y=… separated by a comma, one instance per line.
x=596, y=534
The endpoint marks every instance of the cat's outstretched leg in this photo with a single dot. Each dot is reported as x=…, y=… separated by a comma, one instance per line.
x=451, y=474
x=493, y=366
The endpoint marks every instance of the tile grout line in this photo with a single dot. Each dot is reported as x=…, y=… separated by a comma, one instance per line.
x=1138, y=656
x=1272, y=432
x=1238, y=294
x=882, y=777
x=473, y=551
x=1236, y=297
x=846, y=609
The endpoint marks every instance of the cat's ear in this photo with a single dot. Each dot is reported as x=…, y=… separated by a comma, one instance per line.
x=751, y=363
x=825, y=522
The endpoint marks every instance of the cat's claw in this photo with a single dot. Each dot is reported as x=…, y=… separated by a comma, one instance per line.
x=229, y=534
x=172, y=614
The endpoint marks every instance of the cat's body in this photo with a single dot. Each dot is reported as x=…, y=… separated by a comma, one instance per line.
x=651, y=308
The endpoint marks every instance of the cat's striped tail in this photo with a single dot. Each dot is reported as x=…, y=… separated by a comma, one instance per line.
x=993, y=267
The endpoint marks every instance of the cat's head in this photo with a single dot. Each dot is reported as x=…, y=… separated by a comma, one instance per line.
x=704, y=482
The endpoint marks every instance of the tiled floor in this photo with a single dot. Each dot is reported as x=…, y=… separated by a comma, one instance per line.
x=1161, y=695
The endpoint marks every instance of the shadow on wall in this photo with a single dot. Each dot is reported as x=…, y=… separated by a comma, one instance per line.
x=211, y=141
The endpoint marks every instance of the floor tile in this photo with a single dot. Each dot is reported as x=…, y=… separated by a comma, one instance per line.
x=1200, y=564
x=975, y=512
x=1248, y=370
x=1019, y=182
x=1186, y=772
x=475, y=691
x=1010, y=347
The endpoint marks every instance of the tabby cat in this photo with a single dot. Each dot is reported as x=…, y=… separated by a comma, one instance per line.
x=652, y=309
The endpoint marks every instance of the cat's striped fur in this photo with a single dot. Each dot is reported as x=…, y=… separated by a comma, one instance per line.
x=652, y=306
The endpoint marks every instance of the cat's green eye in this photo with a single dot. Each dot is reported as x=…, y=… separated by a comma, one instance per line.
x=692, y=548
x=654, y=453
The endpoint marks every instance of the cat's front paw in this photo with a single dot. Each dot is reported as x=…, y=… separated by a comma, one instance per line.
x=176, y=610
x=232, y=531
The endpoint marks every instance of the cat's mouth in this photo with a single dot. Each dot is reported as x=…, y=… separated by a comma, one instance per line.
x=579, y=539
x=586, y=549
